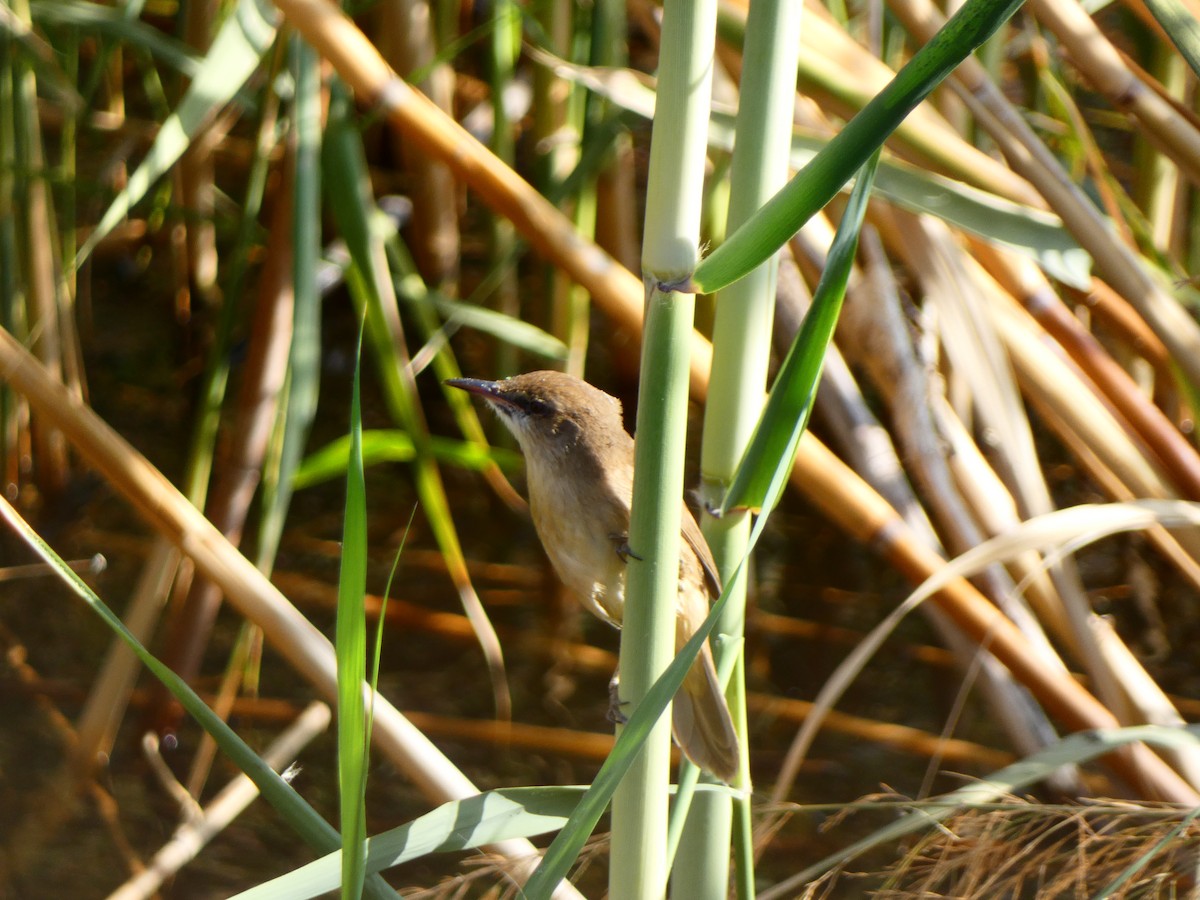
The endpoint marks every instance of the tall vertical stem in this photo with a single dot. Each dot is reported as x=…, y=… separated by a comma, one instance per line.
x=676, y=177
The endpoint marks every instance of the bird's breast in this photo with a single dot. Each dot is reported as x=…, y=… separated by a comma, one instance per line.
x=581, y=524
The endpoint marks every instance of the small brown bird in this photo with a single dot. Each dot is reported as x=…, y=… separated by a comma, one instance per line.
x=579, y=460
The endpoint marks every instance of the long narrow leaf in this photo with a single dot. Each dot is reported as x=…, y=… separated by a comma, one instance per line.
x=1029, y=231
x=788, y=407
x=303, y=818
x=1181, y=27
x=459, y=825
x=393, y=445
x=115, y=23
x=817, y=183
x=351, y=646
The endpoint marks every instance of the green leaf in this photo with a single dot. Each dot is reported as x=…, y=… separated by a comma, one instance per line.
x=1181, y=27
x=768, y=457
x=303, y=818
x=1032, y=232
x=390, y=445
x=512, y=331
x=351, y=647
x=458, y=825
x=236, y=51
x=823, y=177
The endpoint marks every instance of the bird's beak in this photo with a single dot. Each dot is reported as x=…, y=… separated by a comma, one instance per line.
x=488, y=390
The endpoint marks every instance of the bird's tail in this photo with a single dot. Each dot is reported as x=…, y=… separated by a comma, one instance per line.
x=701, y=721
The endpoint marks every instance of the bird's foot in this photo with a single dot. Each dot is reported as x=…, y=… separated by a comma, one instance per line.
x=623, y=549
x=616, y=715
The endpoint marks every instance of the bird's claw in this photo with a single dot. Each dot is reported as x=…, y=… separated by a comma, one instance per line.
x=623, y=549
x=615, y=714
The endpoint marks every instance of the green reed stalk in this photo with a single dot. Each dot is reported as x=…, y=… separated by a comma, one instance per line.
x=741, y=350
x=676, y=177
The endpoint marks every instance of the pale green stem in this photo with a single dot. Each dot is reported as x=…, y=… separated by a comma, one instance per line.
x=676, y=178
x=741, y=350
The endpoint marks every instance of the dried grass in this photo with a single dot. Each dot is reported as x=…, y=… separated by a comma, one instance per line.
x=1025, y=849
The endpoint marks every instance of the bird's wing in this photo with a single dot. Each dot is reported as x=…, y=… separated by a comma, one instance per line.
x=695, y=540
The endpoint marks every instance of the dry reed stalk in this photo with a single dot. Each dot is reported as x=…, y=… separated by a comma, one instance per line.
x=113, y=686
x=191, y=837
x=1094, y=55
x=873, y=328
x=1025, y=282
x=1028, y=156
x=857, y=509
x=48, y=331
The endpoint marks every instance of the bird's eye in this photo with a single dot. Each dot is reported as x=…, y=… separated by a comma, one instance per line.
x=540, y=407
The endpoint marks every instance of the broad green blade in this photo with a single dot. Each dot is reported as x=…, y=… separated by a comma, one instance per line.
x=768, y=457
x=459, y=825
x=236, y=51
x=822, y=178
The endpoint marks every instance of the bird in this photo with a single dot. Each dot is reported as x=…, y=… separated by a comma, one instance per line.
x=579, y=468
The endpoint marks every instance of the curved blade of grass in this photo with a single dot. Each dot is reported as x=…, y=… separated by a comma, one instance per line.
x=236, y=51
x=512, y=331
x=301, y=817
x=1031, y=232
x=460, y=825
x=1072, y=750
x=817, y=183
x=391, y=445
x=1056, y=534
x=351, y=647
x=348, y=189
x=115, y=23
x=790, y=402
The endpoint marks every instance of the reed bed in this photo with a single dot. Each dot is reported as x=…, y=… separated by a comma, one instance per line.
x=958, y=609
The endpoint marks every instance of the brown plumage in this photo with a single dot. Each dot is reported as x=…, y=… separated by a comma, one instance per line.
x=579, y=459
